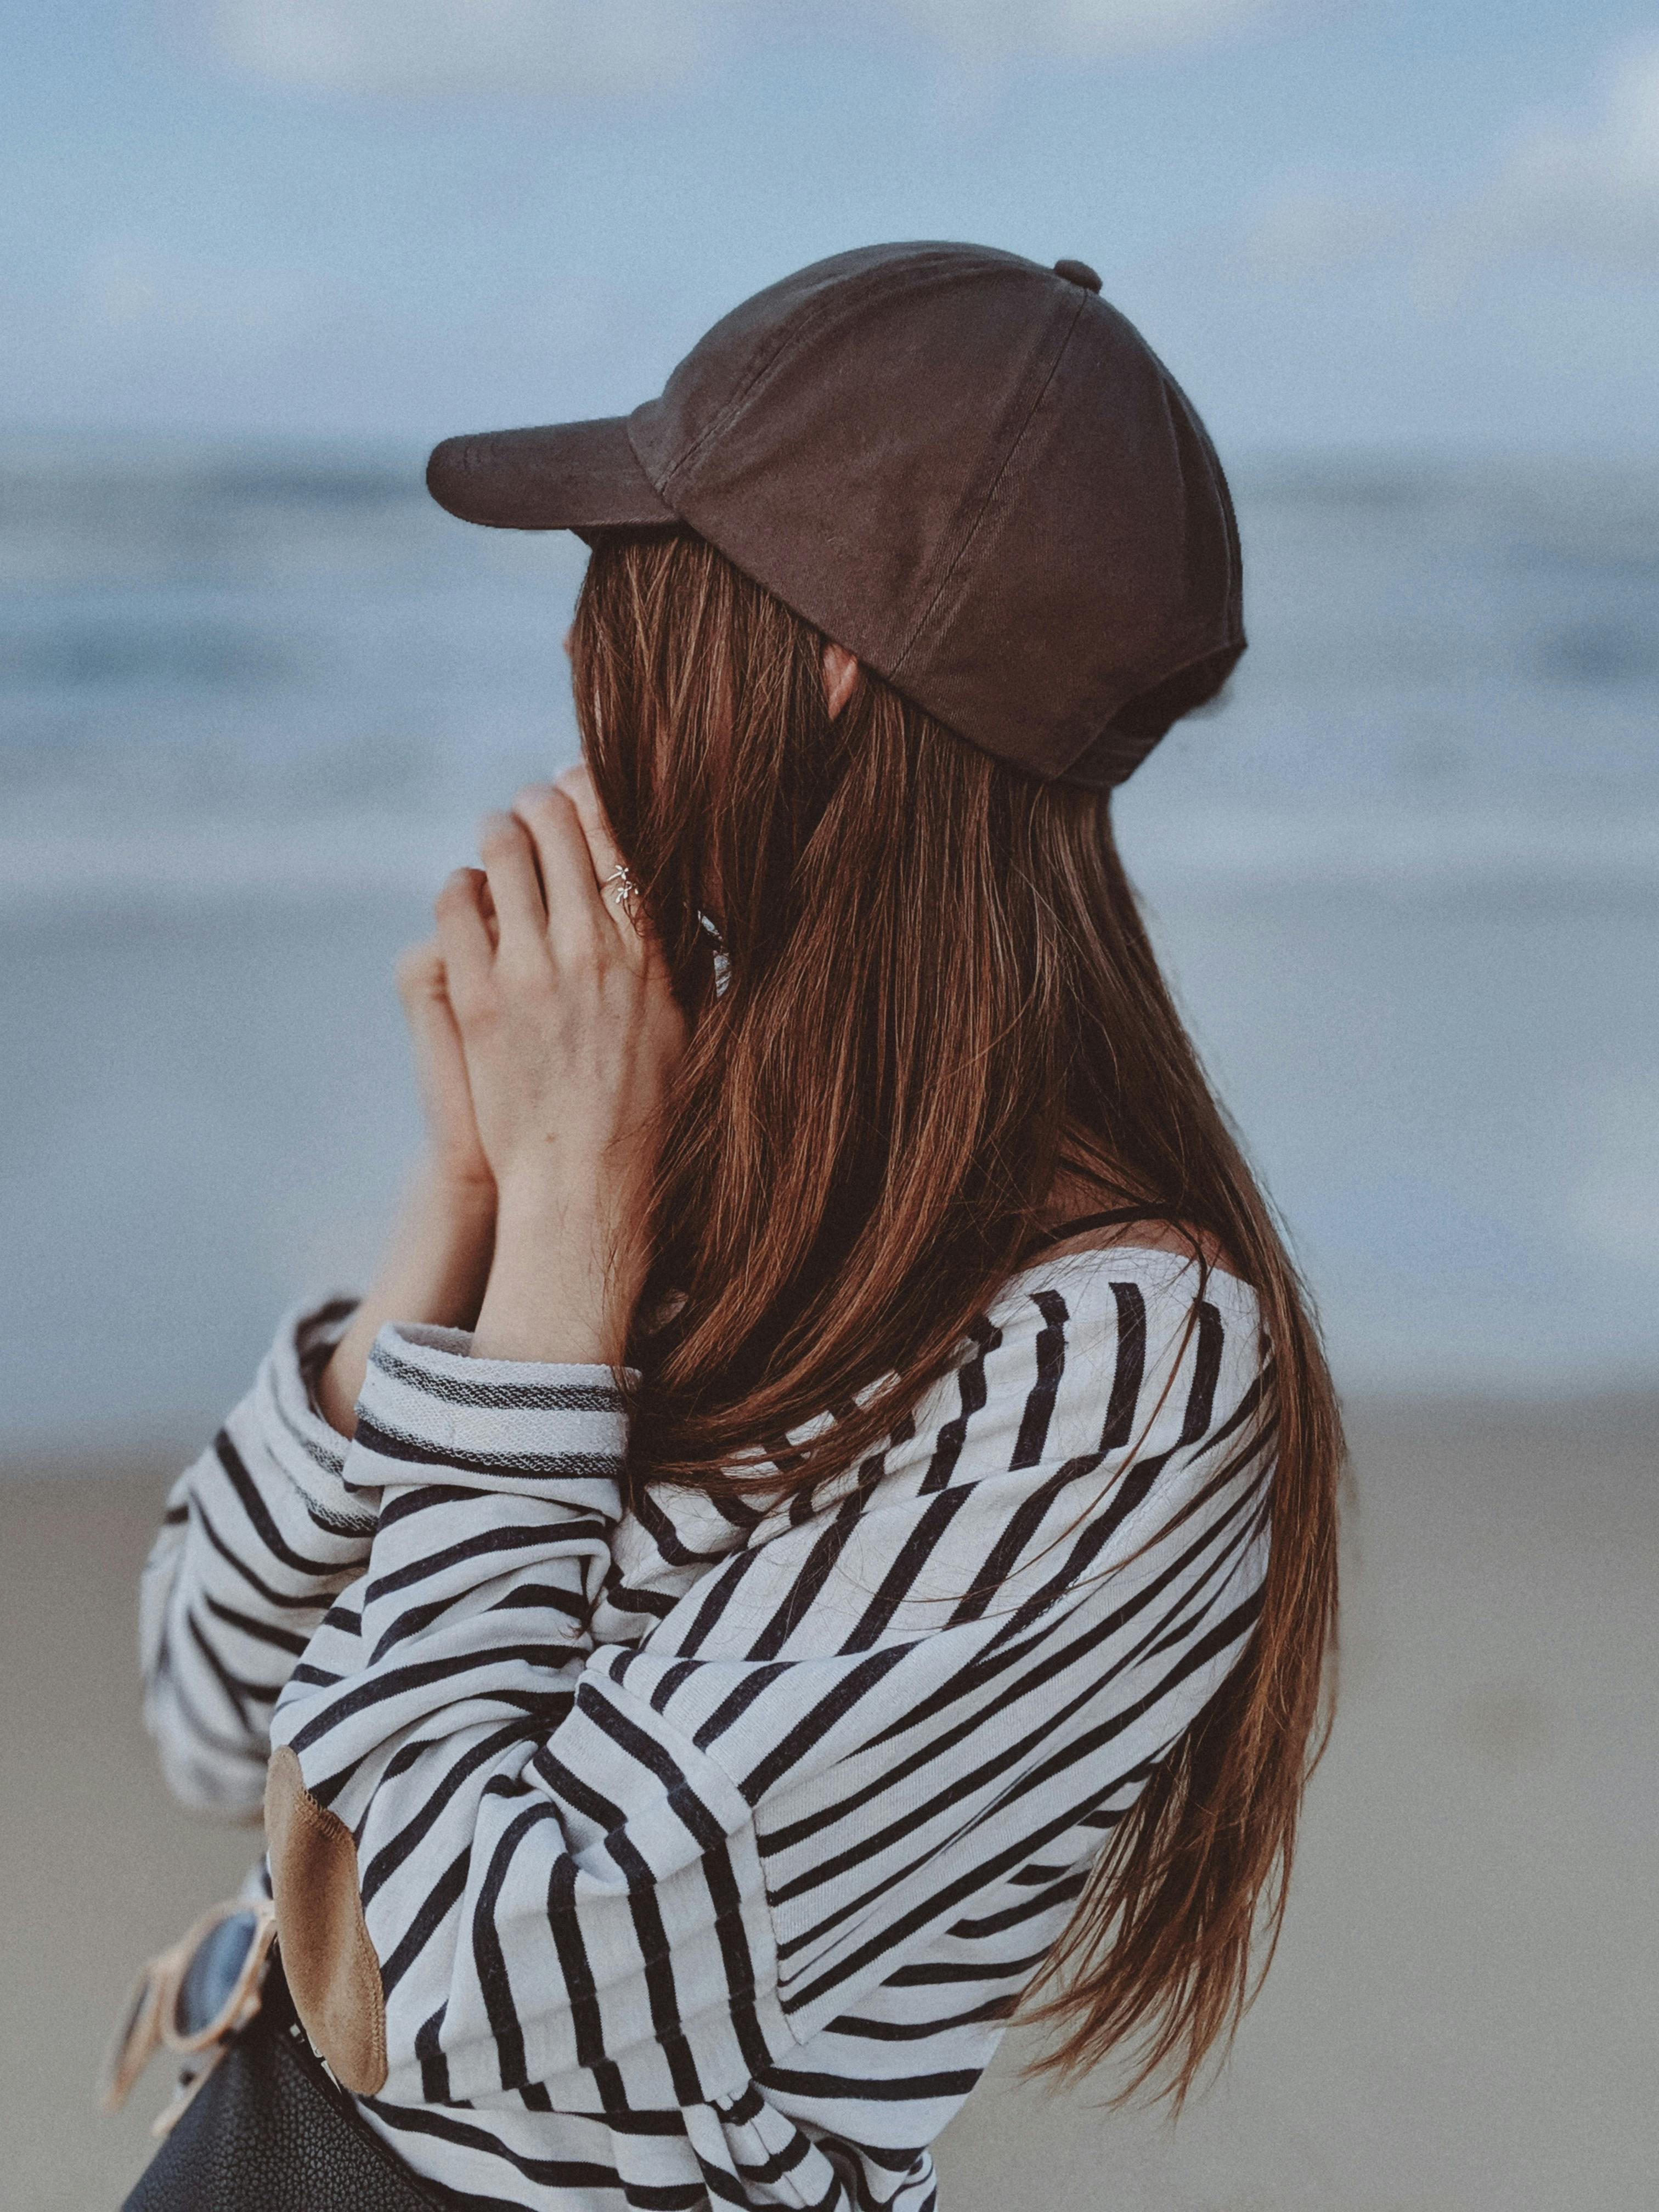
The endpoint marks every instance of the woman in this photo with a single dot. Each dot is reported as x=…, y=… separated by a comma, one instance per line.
x=871, y=1562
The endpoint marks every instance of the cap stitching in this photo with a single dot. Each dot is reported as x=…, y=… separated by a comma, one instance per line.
x=961, y=555
x=796, y=328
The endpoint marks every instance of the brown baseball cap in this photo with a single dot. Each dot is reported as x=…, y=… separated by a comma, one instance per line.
x=970, y=471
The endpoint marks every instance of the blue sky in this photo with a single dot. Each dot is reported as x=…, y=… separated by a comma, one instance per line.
x=1371, y=223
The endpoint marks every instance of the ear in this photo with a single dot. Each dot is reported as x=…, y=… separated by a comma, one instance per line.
x=840, y=673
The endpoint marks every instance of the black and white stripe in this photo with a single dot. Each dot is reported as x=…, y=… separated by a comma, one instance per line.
x=706, y=1851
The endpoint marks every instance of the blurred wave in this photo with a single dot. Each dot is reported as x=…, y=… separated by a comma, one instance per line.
x=1446, y=660
x=1406, y=876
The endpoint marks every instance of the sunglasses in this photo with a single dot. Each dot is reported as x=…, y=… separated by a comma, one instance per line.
x=192, y=1998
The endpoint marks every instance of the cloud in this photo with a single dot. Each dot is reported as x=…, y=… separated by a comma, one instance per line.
x=420, y=48
x=1581, y=192
x=1089, y=29
x=130, y=288
x=1585, y=191
x=1315, y=230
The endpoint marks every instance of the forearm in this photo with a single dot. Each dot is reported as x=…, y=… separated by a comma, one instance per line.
x=535, y=1853
x=434, y=1271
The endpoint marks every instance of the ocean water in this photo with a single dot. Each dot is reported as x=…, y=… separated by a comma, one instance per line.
x=1406, y=878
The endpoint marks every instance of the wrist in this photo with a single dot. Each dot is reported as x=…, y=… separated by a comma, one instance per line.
x=437, y=1263
x=562, y=1285
x=434, y=1269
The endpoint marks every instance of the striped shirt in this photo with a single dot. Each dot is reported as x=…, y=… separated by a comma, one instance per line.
x=705, y=1850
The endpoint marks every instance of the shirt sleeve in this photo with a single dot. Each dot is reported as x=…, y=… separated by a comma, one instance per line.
x=592, y=1874
x=257, y=1539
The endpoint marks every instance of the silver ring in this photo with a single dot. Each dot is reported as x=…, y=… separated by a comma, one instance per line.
x=627, y=889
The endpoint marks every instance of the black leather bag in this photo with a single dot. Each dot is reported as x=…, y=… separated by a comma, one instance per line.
x=271, y=2130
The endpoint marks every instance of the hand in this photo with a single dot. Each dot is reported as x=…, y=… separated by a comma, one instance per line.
x=437, y=1259
x=570, y=1031
x=455, y=1155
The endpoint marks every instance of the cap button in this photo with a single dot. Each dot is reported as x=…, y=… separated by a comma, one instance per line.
x=1078, y=272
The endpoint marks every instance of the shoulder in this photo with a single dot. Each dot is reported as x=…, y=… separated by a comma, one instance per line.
x=1097, y=1284
x=1098, y=1403
x=1088, y=1354
x=1089, y=1274
x=1083, y=1359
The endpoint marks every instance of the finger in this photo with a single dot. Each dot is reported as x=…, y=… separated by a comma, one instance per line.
x=423, y=987
x=440, y=1075
x=420, y=978
x=623, y=904
x=463, y=937
x=434, y=1039
x=577, y=920
x=509, y=859
x=577, y=785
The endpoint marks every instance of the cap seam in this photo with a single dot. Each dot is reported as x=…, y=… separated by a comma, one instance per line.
x=992, y=489
x=799, y=327
x=1235, y=603
x=794, y=330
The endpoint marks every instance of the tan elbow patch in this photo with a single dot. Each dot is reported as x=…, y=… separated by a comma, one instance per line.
x=331, y=1969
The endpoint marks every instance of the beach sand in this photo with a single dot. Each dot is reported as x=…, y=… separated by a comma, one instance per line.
x=1464, y=2012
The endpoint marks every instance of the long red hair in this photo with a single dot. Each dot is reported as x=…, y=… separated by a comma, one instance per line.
x=941, y=1002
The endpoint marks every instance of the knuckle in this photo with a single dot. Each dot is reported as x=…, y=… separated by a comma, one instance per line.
x=498, y=835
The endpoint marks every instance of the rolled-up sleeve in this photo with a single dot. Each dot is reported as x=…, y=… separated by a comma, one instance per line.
x=258, y=1538
x=509, y=1861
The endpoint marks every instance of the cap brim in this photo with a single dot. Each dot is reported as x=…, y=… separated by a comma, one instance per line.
x=565, y=475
